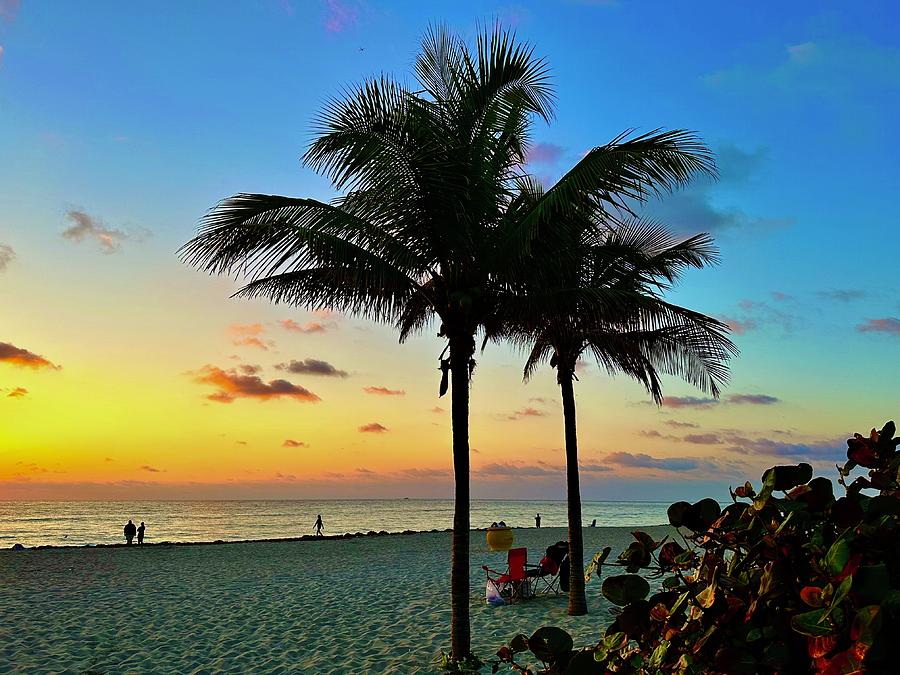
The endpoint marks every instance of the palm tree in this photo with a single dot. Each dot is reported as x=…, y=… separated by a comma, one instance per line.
x=609, y=304
x=422, y=229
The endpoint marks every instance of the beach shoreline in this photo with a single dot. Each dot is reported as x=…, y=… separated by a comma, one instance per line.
x=275, y=540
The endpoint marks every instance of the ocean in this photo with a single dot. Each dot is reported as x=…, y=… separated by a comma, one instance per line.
x=85, y=523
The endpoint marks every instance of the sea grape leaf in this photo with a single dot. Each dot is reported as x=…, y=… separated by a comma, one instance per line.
x=812, y=624
x=550, y=643
x=519, y=643
x=584, y=663
x=838, y=556
x=625, y=588
x=676, y=513
x=842, y=590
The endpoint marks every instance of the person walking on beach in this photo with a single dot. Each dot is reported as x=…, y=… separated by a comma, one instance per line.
x=130, y=530
x=319, y=525
x=537, y=520
x=140, y=533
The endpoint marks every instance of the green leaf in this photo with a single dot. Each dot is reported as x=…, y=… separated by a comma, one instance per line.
x=550, y=643
x=584, y=663
x=811, y=623
x=838, y=556
x=519, y=643
x=658, y=657
x=839, y=596
x=625, y=588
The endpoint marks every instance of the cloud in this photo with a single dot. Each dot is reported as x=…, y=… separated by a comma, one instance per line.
x=525, y=412
x=340, y=16
x=644, y=461
x=437, y=409
x=372, y=428
x=888, y=325
x=232, y=385
x=150, y=469
x=739, y=327
x=248, y=369
x=545, y=153
x=384, y=391
x=311, y=367
x=696, y=208
x=9, y=9
x=17, y=356
x=688, y=402
x=752, y=399
x=18, y=392
x=542, y=400
x=675, y=424
x=7, y=254
x=702, y=439
x=843, y=294
x=85, y=226
x=825, y=451
x=840, y=69
x=249, y=335
x=780, y=297
x=309, y=327
x=291, y=443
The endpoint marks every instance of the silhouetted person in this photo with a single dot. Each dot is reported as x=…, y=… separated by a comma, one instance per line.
x=130, y=530
x=140, y=532
x=537, y=520
x=594, y=523
x=319, y=525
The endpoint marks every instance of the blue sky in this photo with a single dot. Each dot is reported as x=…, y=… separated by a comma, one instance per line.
x=142, y=118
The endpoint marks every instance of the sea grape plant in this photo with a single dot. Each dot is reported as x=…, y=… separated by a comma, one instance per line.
x=785, y=579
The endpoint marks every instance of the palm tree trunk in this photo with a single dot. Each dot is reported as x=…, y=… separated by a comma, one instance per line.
x=577, y=599
x=461, y=350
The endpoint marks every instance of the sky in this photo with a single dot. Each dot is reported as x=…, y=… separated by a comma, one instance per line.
x=126, y=375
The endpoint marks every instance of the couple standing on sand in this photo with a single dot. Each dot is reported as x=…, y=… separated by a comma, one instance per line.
x=130, y=531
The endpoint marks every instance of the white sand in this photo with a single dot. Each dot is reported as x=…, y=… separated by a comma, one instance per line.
x=367, y=605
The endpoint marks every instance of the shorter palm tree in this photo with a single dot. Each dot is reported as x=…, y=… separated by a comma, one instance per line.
x=601, y=293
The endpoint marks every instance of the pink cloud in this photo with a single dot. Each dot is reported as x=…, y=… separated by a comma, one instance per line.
x=232, y=385
x=384, y=391
x=373, y=428
x=309, y=327
x=9, y=9
x=889, y=325
x=339, y=16
x=291, y=443
x=545, y=153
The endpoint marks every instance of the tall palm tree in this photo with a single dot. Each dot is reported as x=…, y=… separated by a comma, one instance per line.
x=422, y=228
x=609, y=303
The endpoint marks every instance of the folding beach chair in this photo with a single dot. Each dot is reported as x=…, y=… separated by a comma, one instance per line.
x=551, y=575
x=513, y=584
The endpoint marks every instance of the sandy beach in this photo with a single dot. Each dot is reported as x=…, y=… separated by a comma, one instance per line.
x=364, y=605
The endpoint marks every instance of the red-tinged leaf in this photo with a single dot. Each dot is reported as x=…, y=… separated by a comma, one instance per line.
x=812, y=596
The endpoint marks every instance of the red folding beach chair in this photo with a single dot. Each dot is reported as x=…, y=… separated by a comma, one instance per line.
x=513, y=584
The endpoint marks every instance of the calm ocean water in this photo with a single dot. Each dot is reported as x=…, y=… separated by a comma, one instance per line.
x=80, y=523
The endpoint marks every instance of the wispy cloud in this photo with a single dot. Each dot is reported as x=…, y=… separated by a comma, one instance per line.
x=9, y=9
x=675, y=424
x=18, y=392
x=545, y=153
x=702, y=439
x=312, y=367
x=688, y=402
x=437, y=410
x=642, y=460
x=308, y=327
x=86, y=227
x=232, y=385
x=340, y=15
x=843, y=294
x=291, y=443
x=373, y=428
x=752, y=399
x=888, y=325
x=525, y=412
x=150, y=469
x=18, y=356
x=249, y=335
x=739, y=327
x=384, y=391
x=7, y=254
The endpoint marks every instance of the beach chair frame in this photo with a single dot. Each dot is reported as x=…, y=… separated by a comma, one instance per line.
x=512, y=585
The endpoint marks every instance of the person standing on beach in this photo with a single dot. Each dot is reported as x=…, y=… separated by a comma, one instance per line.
x=319, y=525
x=537, y=520
x=140, y=533
x=130, y=530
